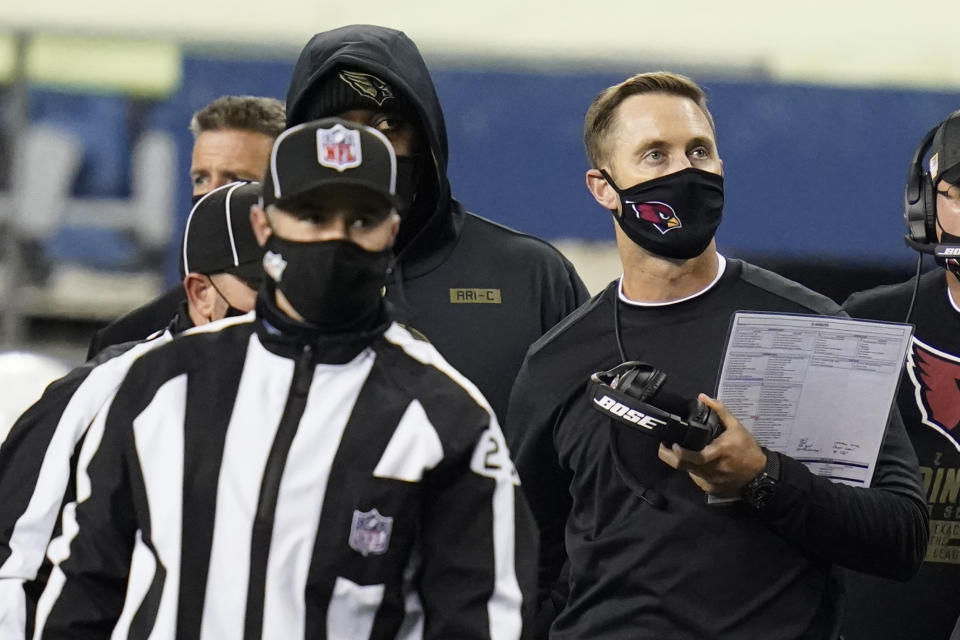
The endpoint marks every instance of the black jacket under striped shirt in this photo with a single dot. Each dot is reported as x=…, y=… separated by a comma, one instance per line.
x=266, y=481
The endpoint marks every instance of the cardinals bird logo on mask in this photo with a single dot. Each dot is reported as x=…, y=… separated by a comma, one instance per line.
x=659, y=214
x=688, y=203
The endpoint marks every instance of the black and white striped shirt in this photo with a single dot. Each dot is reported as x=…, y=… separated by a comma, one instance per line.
x=244, y=485
x=35, y=472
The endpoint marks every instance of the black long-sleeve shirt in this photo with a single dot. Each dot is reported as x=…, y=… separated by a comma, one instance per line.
x=929, y=401
x=686, y=569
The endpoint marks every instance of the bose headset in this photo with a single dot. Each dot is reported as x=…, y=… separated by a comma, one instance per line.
x=624, y=394
x=920, y=213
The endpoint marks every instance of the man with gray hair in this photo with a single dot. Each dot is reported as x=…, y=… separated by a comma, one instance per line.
x=232, y=140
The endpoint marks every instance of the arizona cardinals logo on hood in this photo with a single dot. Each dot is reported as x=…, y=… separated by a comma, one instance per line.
x=367, y=85
x=659, y=214
x=936, y=379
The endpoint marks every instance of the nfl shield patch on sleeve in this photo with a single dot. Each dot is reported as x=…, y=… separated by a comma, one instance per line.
x=370, y=532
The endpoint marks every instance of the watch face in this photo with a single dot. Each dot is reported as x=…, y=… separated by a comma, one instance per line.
x=760, y=490
x=764, y=492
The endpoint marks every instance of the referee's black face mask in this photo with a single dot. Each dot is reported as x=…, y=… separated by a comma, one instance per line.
x=334, y=284
x=675, y=215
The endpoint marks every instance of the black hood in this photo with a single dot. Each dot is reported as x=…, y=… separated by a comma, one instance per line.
x=390, y=55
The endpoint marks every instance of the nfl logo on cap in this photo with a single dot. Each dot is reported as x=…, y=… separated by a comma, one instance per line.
x=339, y=148
x=311, y=159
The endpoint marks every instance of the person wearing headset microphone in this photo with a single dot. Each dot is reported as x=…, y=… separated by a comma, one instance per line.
x=929, y=396
x=647, y=555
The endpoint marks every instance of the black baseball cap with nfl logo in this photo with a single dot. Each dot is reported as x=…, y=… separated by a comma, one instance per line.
x=326, y=156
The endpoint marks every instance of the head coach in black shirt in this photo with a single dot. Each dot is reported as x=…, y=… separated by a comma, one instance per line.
x=648, y=556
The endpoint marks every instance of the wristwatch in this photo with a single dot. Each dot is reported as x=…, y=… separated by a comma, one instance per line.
x=759, y=490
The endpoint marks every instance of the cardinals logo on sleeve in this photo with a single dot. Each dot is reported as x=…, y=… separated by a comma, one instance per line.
x=936, y=379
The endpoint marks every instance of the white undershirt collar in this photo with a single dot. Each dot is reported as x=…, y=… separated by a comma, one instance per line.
x=953, y=302
x=721, y=266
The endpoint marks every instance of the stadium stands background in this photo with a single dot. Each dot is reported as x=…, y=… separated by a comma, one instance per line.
x=816, y=120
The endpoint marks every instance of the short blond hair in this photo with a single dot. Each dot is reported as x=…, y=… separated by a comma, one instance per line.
x=601, y=114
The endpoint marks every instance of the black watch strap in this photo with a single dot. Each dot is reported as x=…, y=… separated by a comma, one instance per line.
x=759, y=490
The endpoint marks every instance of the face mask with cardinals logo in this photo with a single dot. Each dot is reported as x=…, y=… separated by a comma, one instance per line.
x=674, y=216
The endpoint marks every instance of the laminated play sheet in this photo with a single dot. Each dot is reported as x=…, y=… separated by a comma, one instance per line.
x=816, y=388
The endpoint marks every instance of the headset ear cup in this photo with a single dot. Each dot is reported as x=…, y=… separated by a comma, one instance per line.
x=919, y=201
x=698, y=411
x=916, y=209
x=704, y=415
x=642, y=382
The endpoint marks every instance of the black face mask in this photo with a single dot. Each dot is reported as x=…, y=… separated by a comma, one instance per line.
x=408, y=175
x=232, y=311
x=334, y=284
x=195, y=199
x=675, y=215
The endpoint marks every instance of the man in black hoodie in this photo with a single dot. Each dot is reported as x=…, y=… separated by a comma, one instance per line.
x=480, y=292
x=649, y=556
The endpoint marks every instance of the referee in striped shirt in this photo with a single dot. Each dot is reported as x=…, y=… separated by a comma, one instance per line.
x=312, y=471
x=221, y=268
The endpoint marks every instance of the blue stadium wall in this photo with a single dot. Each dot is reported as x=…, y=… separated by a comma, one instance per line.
x=813, y=173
